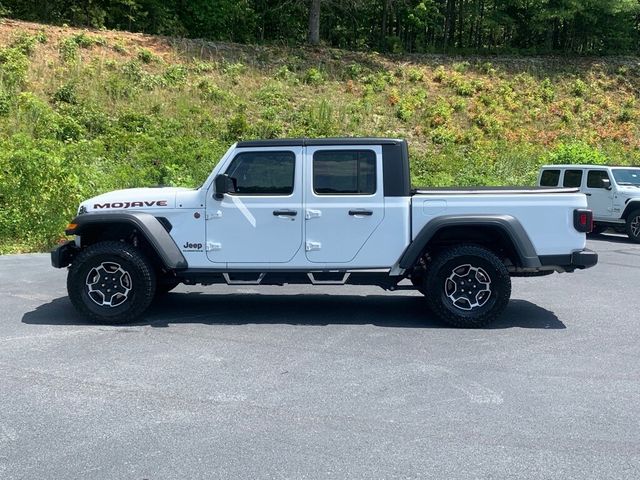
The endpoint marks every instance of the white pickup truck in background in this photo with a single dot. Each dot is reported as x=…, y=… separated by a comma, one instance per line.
x=326, y=211
x=613, y=193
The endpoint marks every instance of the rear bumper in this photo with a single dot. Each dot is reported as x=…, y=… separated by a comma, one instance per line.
x=577, y=260
x=63, y=255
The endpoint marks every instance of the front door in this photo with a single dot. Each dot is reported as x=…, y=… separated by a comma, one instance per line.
x=599, y=198
x=344, y=203
x=262, y=221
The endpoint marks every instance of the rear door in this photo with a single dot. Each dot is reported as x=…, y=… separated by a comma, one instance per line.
x=344, y=201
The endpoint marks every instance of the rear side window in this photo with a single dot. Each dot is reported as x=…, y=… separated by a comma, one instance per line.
x=550, y=178
x=344, y=172
x=595, y=177
x=572, y=178
x=263, y=173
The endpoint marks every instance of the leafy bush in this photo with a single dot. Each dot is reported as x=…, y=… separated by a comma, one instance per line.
x=576, y=153
x=83, y=40
x=68, y=50
x=313, y=76
x=120, y=47
x=25, y=42
x=405, y=110
x=147, y=56
x=175, y=75
x=440, y=74
x=579, y=88
x=210, y=91
x=237, y=126
x=66, y=94
x=415, y=75
x=13, y=68
x=547, y=92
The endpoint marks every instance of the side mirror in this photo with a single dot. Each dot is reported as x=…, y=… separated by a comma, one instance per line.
x=224, y=184
x=606, y=183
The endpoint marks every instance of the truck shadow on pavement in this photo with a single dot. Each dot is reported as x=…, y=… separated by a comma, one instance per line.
x=304, y=309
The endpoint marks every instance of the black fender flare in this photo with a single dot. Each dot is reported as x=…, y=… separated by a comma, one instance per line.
x=630, y=207
x=506, y=223
x=148, y=225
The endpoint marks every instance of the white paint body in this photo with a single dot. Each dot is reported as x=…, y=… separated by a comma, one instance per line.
x=242, y=231
x=608, y=205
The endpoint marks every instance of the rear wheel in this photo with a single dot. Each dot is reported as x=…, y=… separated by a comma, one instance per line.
x=633, y=226
x=111, y=282
x=467, y=286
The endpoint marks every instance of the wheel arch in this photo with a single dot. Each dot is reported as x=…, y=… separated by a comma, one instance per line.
x=632, y=206
x=502, y=231
x=95, y=227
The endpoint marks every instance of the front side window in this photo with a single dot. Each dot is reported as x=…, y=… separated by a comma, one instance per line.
x=263, y=173
x=572, y=178
x=344, y=172
x=550, y=178
x=595, y=178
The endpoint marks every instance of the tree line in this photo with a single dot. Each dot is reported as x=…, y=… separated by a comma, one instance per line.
x=535, y=26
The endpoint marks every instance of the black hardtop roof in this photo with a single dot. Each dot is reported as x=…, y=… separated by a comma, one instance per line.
x=319, y=142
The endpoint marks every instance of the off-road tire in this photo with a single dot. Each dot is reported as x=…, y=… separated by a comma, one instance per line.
x=141, y=282
x=633, y=226
x=482, y=262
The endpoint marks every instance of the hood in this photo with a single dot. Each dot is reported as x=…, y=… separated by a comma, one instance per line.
x=133, y=199
x=629, y=190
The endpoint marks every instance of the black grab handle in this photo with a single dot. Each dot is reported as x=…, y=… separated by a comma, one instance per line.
x=285, y=213
x=366, y=213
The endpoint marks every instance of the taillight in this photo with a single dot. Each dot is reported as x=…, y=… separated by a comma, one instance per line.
x=583, y=220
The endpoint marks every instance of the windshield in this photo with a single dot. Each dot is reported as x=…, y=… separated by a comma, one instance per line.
x=627, y=176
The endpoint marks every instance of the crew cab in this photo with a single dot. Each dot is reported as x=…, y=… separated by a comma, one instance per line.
x=613, y=193
x=322, y=212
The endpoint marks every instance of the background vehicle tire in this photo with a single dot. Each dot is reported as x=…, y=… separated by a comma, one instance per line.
x=633, y=226
x=598, y=229
x=111, y=282
x=467, y=286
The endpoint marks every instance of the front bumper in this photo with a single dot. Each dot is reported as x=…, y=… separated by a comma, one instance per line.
x=577, y=260
x=63, y=255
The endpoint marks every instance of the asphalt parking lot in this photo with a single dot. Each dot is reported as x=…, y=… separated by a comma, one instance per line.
x=324, y=382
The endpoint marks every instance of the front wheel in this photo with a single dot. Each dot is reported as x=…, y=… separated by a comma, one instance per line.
x=111, y=282
x=633, y=226
x=467, y=286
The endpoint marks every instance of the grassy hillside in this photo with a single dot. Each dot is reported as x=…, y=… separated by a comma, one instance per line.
x=86, y=112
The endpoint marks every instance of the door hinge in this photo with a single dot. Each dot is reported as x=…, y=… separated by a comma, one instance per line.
x=213, y=246
x=212, y=215
x=312, y=213
x=313, y=246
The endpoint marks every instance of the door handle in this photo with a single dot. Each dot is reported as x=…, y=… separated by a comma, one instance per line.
x=588, y=194
x=284, y=213
x=364, y=213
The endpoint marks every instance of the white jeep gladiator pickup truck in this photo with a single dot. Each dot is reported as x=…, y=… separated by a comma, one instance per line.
x=321, y=212
x=613, y=193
